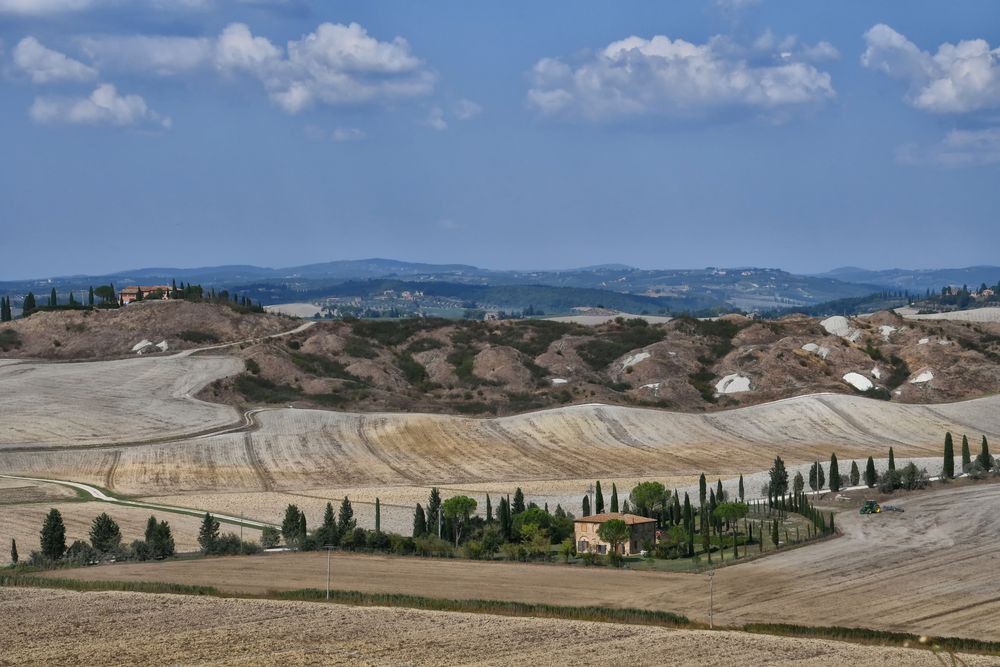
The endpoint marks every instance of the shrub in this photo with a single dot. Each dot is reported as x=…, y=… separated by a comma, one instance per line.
x=9, y=340
x=194, y=336
x=360, y=348
x=81, y=553
x=252, y=366
x=269, y=537
x=912, y=478
x=261, y=390
x=139, y=550
x=473, y=550
x=889, y=481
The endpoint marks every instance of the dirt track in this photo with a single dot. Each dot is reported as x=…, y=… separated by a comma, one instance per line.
x=932, y=569
x=133, y=628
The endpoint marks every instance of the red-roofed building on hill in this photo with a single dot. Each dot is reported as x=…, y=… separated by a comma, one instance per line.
x=641, y=531
x=130, y=294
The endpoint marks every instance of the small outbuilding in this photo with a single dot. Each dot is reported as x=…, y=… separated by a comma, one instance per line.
x=641, y=530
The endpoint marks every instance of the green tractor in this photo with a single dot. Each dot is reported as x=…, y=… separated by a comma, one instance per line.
x=870, y=507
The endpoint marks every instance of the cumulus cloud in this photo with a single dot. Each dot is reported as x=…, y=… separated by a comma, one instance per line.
x=637, y=77
x=45, y=65
x=149, y=54
x=958, y=78
x=334, y=65
x=959, y=148
x=104, y=106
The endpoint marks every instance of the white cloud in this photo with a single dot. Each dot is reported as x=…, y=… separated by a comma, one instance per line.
x=42, y=7
x=467, y=109
x=959, y=78
x=637, y=77
x=104, y=106
x=149, y=54
x=435, y=119
x=334, y=65
x=44, y=65
x=959, y=148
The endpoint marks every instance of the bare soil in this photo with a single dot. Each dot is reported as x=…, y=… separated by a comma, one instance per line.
x=111, y=628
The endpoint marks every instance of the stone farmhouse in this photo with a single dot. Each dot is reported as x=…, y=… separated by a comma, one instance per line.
x=641, y=530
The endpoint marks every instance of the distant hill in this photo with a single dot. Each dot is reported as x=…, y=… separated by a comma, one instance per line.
x=917, y=280
x=749, y=289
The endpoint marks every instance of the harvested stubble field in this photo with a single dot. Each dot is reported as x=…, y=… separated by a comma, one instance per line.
x=310, y=449
x=930, y=570
x=24, y=522
x=81, y=404
x=17, y=492
x=991, y=314
x=134, y=628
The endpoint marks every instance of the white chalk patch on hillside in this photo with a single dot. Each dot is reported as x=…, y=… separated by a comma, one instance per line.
x=141, y=345
x=733, y=384
x=818, y=350
x=886, y=331
x=838, y=325
x=858, y=381
x=559, y=381
x=876, y=373
x=923, y=341
x=925, y=376
x=635, y=358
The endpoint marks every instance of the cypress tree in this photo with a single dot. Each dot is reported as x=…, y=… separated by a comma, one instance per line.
x=90, y=296
x=13, y=551
x=774, y=533
x=720, y=495
x=586, y=505
x=53, y=299
x=702, y=490
x=433, y=509
x=598, y=499
x=345, y=517
x=871, y=477
x=966, y=455
x=625, y=507
x=798, y=483
x=614, y=497
x=676, y=509
x=28, y=306
x=984, y=457
x=518, y=506
x=378, y=516
x=420, y=521
x=489, y=510
x=689, y=525
x=814, y=476
x=778, y=478
x=742, y=495
x=855, y=474
x=834, y=473
x=150, y=528
x=302, y=530
x=892, y=461
x=53, y=540
x=948, y=469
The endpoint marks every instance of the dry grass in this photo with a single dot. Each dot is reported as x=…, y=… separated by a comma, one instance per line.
x=134, y=628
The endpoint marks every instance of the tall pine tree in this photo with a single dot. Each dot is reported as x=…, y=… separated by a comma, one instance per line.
x=518, y=506
x=585, y=509
x=966, y=454
x=345, y=517
x=208, y=534
x=489, y=509
x=892, y=461
x=53, y=540
x=855, y=474
x=614, y=497
x=871, y=477
x=598, y=499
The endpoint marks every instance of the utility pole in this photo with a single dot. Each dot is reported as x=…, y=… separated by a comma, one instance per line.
x=711, y=599
x=329, y=548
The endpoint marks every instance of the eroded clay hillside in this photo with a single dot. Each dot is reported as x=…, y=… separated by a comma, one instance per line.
x=691, y=365
x=149, y=327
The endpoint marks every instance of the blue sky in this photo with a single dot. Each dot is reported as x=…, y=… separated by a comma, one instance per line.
x=803, y=135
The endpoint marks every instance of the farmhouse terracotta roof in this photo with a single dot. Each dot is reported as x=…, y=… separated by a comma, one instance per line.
x=630, y=519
